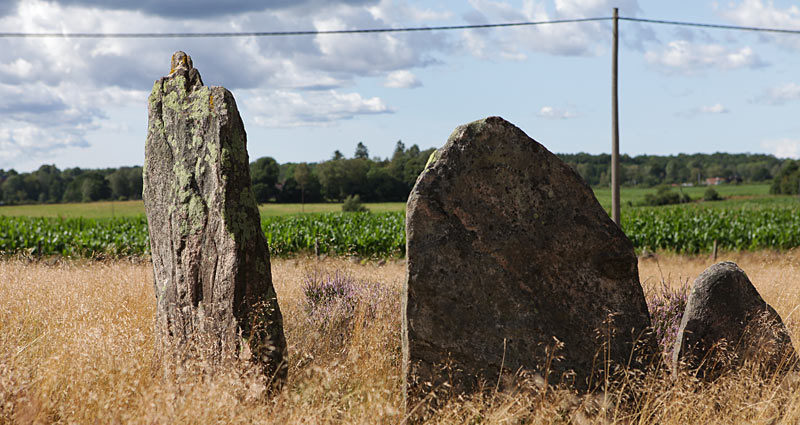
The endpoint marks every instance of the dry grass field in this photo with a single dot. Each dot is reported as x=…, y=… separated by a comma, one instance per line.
x=76, y=346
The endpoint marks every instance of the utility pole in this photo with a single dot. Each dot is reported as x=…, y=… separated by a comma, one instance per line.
x=615, y=125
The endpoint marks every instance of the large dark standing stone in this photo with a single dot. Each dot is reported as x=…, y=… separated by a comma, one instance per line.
x=508, y=250
x=725, y=306
x=210, y=258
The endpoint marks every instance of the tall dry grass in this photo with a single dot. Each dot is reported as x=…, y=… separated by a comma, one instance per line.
x=76, y=346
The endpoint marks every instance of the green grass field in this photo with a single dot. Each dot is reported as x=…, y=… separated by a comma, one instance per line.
x=737, y=194
x=634, y=196
x=134, y=208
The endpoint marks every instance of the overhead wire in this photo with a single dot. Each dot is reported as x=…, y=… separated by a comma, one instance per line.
x=712, y=26
x=381, y=30
x=289, y=33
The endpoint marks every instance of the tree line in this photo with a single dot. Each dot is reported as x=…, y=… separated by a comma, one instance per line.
x=654, y=170
x=391, y=179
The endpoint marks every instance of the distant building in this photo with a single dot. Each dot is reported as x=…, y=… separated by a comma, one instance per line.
x=713, y=181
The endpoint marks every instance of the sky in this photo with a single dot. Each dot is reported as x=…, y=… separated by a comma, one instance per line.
x=77, y=102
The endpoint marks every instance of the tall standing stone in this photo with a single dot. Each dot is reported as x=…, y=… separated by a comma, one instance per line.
x=509, y=255
x=211, y=265
x=727, y=323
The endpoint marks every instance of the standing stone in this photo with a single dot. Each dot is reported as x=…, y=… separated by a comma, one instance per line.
x=727, y=323
x=210, y=258
x=510, y=254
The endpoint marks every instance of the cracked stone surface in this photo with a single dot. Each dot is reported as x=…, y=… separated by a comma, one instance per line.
x=510, y=254
x=211, y=263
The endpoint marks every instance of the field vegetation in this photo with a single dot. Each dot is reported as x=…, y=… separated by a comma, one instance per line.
x=746, y=223
x=76, y=346
x=630, y=197
x=108, y=209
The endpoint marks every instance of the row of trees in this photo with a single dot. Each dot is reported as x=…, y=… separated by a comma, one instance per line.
x=787, y=181
x=48, y=184
x=391, y=179
x=652, y=170
x=374, y=180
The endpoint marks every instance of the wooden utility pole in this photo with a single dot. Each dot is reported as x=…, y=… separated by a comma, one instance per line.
x=615, y=125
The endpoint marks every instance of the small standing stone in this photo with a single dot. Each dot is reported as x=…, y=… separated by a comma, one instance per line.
x=211, y=265
x=727, y=323
x=513, y=264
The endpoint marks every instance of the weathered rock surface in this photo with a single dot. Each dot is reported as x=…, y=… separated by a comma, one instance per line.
x=211, y=263
x=509, y=253
x=727, y=323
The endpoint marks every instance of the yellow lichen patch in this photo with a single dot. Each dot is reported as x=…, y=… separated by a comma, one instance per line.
x=433, y=158
x=211, y=101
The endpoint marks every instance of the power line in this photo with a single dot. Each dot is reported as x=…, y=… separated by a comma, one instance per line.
x=285, y=33
x=714, y=26
x=381, y=30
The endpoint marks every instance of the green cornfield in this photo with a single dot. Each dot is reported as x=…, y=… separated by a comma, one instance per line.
x=684, y=229
x=362, y=234
x=693, y=229
x=74, y=237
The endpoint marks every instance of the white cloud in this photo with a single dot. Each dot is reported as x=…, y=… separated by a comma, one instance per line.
x=402, y=79
x=576, y=39
x=283, y=108
x=58, y=91
x=759, y=13
x=716, y=108
x=688, y=58
x=554, y=113
x=780, y=94
x=26, y=142
x=783, y=148
x=389, y=10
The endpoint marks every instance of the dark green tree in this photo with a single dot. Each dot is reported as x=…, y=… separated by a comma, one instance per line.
x=94, y=187
x=787, y=181
x=13, y=189
x=361, y=151
x=120, y=186
x=264, y=175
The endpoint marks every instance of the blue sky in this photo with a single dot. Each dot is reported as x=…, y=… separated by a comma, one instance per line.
x=82, y=102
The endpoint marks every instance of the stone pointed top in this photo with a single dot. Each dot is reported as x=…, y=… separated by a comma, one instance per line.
x=180, y=60
x=181, y=65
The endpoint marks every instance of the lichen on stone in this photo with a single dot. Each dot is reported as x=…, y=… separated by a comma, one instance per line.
x=199, y=107
x=432, y=159
x=201, y=211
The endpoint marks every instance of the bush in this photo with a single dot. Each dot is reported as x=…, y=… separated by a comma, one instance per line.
x=353, y=204
x=329, y=291
x=711, y=195
x=666, y=196
x=787, y=182
x=666, y=307
x=337, y=302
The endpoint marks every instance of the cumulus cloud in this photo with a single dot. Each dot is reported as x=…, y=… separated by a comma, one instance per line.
x=579, y=39
x=402, y=79
x=780, y=94
x=783, y=148
x=759, y=13
x=203, y=8
x=715, y=109
x=29, y=141
x=283, y=108
x=64, y=86
x=554, y=113
x=685, y=57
